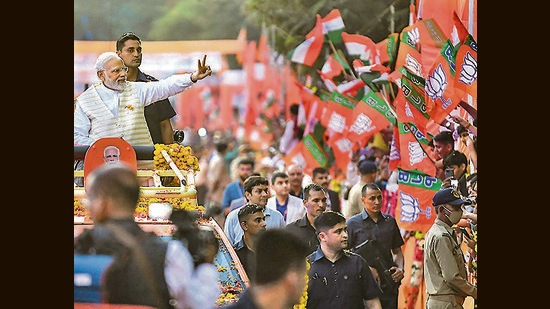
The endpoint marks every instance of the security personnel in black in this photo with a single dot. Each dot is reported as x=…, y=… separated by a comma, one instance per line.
x=376, y=236
x=158, y=114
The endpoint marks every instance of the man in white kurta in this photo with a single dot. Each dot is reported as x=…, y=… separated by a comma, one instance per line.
x=114, y=106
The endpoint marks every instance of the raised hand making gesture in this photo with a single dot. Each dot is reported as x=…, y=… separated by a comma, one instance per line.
x=202, y=71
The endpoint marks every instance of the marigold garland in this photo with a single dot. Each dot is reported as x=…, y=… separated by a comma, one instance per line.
x=181, y=155
x=303, y=299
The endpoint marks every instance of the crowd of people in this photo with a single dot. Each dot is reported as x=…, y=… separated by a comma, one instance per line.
x=286, y=222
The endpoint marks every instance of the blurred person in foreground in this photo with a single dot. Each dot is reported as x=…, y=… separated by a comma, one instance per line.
x=173, y=281
x=445, y=272
x=280, y=275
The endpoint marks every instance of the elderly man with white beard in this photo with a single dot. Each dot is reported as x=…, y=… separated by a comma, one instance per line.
x=114, y=106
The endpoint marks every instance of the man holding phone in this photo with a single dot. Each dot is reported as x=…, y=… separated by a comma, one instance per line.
x=456, y=165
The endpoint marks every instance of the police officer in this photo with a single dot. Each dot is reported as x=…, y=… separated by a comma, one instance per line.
x=447, y=282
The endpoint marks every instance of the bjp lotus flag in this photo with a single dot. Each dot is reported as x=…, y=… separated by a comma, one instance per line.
x=412, y=142
x=441, y=97
x=370, y=115
x=414, y=211
x=466, y=68
x=432, y=38
x=410, y=104
x=341, y=147
x=407, y=54
x=395, y=155
x=308, y=152
x=459, y=32
x=337, y=117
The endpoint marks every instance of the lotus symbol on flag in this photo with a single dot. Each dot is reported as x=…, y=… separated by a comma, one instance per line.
x=416, y=153
x=394, y=151
x=410, y=208
x=468, y=74
x=413, y=65
x=436, y=83
x=413, y=36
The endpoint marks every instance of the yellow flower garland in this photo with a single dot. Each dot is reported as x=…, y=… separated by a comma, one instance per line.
x=303, y=299
x=181, y=155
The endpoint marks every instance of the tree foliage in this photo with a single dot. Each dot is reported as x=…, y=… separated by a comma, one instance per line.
x=161, y=20
x=289, y=21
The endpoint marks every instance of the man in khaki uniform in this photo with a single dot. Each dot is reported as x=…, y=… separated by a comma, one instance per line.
x=447, y=282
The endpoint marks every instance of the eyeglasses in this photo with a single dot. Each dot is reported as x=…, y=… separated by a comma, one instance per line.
x=119, y=70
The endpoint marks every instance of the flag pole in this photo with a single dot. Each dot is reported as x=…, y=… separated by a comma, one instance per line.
x=335, y=52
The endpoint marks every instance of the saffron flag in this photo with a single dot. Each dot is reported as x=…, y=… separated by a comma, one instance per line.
x=341, y=147
x=466, y=68
x=307, y=52
x=432, y=39
x=333, y=26
x=412, y=142
x=459, y=33
x=370, y=115
x=408, y=54
x=395, y=156
x=360, y=67
x=308, y=152
x=441, y=97
x=337, y=117
x=410, y=105
x=241, y=38
x=414, y=211
x=387, y=49
x=262, y=55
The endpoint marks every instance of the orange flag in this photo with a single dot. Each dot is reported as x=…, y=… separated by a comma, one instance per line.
x=441, y=97
x=414, y=211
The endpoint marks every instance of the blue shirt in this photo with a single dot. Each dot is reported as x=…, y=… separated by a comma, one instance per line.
x=232, y=191
x=342, y=284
